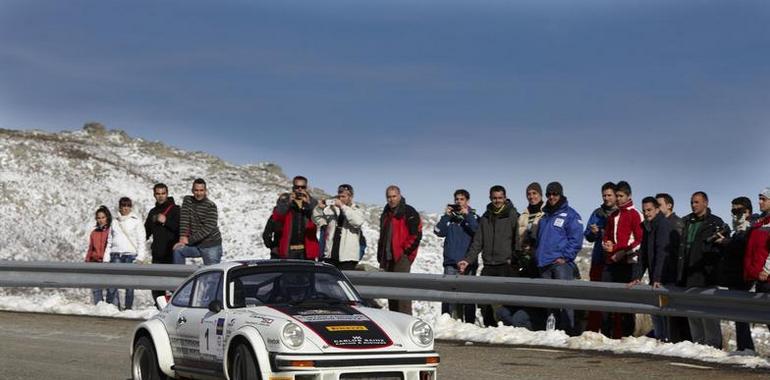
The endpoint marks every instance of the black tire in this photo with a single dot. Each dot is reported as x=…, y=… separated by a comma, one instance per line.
x=144, y=361
x=243, y=364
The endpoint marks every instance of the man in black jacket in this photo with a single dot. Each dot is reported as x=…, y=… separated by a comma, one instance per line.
x=679, y=328
x=698, y=262
x=496, y=240
x=162, y=225
x=657, y=257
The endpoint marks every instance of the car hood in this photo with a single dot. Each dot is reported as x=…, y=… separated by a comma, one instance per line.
x=342, y=328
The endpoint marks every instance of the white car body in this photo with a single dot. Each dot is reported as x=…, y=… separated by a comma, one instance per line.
x=341, y=339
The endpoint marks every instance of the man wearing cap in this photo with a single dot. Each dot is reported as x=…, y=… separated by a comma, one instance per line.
x=526, y=239
x=559, y=239
x=299, y=238
x=343, y=220
x=756, y=264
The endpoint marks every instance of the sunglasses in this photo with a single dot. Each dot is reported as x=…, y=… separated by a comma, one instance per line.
x=297, y=187
x=552, y=194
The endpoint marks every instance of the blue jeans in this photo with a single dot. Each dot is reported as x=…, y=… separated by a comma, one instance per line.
x=660, y=325
x=97, y=295
x=464, y=312
x=210, y=255
x=565, y=318
x=113, y=296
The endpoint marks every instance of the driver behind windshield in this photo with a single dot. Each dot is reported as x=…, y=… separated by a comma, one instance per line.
x=294, y=287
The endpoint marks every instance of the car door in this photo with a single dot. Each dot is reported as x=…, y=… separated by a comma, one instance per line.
x=174, y=317
x=203, y=330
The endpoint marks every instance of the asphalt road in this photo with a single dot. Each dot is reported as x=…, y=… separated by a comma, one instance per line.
x=42, y=346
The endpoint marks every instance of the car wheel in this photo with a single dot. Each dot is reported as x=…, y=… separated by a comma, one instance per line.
x=243, y=365
x=144, y=362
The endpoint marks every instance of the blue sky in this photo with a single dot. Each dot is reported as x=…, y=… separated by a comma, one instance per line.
x=431, y=95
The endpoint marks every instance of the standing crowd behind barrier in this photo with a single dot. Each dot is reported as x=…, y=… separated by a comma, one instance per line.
x=698, y=250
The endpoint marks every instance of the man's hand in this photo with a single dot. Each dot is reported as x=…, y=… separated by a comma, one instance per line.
x=617, y=257
x=559, y=261
x=657, y=285
x=608, y=245
x=763, y=276
x=594, y=229
x=448, y=211
x=465, y=210
x=161, y=219
x=462, y=265
x=633, y=283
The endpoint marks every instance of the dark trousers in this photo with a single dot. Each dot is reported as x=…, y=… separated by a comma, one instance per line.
x=500, y=270
x=169, y=259
x=465, y=312
x=402, y=266
x=618, y=325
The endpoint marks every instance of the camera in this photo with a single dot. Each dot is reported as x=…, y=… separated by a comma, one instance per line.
x=455, y=207
x=716, y=236
x=330, y=201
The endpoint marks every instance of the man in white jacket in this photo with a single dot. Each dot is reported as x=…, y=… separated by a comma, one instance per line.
x=126, y=244
x=343, y=220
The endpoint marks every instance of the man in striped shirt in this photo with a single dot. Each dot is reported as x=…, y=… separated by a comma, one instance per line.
x=198, y=228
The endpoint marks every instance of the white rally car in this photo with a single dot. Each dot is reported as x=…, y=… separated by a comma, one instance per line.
x=279, y=320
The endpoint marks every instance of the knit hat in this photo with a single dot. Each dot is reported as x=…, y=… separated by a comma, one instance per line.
x=554, y=187
x=345, y=187
x=765, y=193
x=535, y=186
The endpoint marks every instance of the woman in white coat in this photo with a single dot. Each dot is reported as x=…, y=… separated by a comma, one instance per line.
x=343, y=220
x=127, y=245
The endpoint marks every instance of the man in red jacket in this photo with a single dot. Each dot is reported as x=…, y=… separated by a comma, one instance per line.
x=400, y=235
x=298, y=232
x=756, y=264
x=622, y=239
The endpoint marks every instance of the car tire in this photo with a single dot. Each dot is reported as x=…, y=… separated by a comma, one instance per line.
x=243, y=364
x=144, y=361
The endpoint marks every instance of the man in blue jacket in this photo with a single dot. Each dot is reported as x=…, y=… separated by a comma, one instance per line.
x=457, y=226
x=559, y=239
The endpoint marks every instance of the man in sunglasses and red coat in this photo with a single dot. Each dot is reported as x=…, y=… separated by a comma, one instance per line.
x=299, y=238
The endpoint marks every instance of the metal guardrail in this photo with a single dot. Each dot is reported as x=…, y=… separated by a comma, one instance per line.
x=581, y=295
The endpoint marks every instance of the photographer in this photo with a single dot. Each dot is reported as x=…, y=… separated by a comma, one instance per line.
x=343, y=220
x=298, y=232
x=458, y=225
x=698, y=259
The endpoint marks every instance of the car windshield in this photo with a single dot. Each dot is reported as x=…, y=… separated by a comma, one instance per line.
x=278, y=285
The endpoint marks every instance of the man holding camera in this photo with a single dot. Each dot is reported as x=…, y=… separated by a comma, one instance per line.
x=298, y=231
x=698, y=262
x=458, y=225
x=343, y=220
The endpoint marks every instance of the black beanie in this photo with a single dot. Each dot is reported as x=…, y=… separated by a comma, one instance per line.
x=554, y=187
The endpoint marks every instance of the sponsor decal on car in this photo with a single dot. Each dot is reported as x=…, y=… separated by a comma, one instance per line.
x=220, y=326
x=346, y=328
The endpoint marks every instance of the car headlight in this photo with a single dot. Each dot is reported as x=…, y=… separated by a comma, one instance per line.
x=292, y=335
x=422, y=333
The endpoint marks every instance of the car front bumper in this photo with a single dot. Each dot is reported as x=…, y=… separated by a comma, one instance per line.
x=389, y=366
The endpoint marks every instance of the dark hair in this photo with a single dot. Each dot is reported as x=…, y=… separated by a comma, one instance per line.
x=106, y=212
x=623, y=187
x=125, y=201
x=745, y=202
x=345, y=187
x=160, y=186
x=463, y=192
x=496, y=188
x=666, y=197
x=609, y=185
x=702, y=194
x=299, y=178
x=199, y=181
x=650, y=200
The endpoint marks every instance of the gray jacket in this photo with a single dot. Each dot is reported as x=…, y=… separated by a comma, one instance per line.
x=496, y=236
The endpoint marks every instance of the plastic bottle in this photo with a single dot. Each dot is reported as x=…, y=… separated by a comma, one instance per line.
x=550, y=324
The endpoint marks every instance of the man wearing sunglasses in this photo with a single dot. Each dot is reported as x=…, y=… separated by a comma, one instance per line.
x=299, y=238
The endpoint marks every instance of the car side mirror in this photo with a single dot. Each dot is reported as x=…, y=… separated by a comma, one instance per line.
x=216, y=306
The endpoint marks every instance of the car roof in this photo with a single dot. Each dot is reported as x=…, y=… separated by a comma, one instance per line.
x=226, y=266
